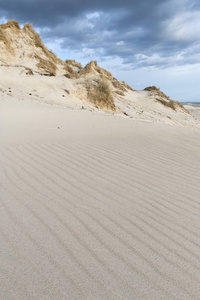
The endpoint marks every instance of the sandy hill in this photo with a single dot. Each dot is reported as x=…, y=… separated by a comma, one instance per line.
x=24, y=47
x=28, y=70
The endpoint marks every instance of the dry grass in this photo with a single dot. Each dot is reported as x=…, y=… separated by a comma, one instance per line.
x=72, y=62
x=69, y=69
x=69, y=64
x=127, y=86
x=71, y=74
x=88, y=68
x=4, y=39
x=100, y=94
x=175, y=105
x=47, y=65
x=38, y=43
x=171, y=104
x=156, y=91
x=120, y=86
x=29, y=71
x=165, y=100
x=82, y=72
x=93, y=66
x=10, y=24
x=182, y=107
x=120, y=93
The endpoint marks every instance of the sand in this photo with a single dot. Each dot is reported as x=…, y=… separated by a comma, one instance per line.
x=95, y=206
x=194, y=110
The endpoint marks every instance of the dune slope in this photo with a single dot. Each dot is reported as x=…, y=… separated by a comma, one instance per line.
x=97, y=207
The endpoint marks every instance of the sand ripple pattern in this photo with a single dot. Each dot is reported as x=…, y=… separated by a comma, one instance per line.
x=101, y=218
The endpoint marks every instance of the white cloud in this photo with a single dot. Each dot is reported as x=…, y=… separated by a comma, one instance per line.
x=120, y=43
x=156, y=60
x=3, y=20
x=93, y=16
x=184, y=27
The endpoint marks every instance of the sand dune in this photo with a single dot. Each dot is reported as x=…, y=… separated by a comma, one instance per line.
x=93, y=205
x=100, y=208
x=28, y=70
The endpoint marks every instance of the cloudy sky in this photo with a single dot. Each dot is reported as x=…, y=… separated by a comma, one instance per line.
x=144, y=42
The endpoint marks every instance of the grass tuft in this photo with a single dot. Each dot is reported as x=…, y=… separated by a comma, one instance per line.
x=47, y=65
x=14, y=25
x=73, y=63
x=10, y=24
x=165, y=100
x=100, y=94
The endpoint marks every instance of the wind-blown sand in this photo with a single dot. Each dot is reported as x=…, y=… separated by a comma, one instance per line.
x=102, y=207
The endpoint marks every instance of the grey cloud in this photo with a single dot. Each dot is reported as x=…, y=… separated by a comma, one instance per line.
x=139, y=32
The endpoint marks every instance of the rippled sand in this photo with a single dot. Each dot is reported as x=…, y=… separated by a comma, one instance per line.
x=97, y=207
